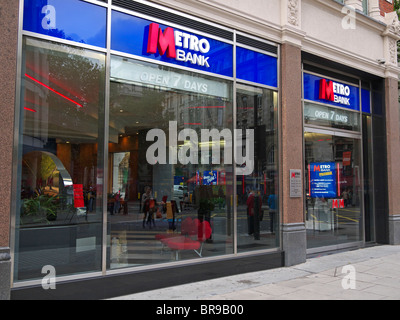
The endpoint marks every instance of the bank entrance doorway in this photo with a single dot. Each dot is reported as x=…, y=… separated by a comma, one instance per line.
x=334, y=202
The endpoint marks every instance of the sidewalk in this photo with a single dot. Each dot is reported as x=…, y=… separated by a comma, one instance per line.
x=377, y=277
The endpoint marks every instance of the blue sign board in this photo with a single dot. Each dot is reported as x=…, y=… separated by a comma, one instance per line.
x=366, y=100
x=73, y=20
x=130, y=34
x=256, y=67
x=331, y=92
x=85, y=22
x=322, y=180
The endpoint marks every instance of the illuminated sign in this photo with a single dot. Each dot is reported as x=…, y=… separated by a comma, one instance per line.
x=166, y=42
x=333, y=91
x=322, y=90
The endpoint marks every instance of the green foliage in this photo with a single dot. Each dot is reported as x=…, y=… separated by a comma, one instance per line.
x=41, y=208
x=47, y=167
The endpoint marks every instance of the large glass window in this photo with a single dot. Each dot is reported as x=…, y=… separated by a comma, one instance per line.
x=59, y=209
x=169, y=165
x=173, y=158
x=257, y=191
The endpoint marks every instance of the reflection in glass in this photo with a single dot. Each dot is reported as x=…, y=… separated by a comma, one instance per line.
x=60, y=209
x=257, y=205
x=333, y=189
x=167, y=199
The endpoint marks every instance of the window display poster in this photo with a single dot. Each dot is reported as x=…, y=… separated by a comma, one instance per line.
x=210, y=178
x=322, y=180
x=346, y=158
x=78, y=196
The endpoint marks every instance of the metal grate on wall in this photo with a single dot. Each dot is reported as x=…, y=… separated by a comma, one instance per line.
x=240, y=39
x=174, y=18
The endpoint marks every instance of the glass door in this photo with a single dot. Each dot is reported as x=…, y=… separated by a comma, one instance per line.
x=333, y=170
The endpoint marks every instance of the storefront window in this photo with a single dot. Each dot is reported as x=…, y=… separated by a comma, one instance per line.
x=333, y=189
x=257, y=191
x=59, y=215
x=135, y=162
x=168, y=195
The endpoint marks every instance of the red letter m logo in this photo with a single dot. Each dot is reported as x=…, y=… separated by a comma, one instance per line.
x=317, y=168
x=326, y=90
x=165, y=42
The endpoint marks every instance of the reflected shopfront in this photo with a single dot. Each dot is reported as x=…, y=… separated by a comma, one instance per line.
x=59, y=221
x=257, y=207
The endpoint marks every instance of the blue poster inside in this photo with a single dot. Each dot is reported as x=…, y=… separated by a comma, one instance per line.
x=322, y=180
x=210, y=178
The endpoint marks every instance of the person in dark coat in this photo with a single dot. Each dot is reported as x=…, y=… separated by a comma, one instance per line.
x=254, y=204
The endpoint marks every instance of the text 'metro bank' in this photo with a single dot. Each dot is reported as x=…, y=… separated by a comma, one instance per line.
x=167, y=41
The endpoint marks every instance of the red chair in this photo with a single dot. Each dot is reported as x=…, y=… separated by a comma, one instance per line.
x=185, y=229
x=197, y=233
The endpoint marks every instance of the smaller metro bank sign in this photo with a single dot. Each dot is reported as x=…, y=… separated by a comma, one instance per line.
x=331, y=92
x=334, y=92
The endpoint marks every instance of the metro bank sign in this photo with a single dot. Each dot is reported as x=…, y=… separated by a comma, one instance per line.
x=330, y=92
x=335, y=92
x=167, y=42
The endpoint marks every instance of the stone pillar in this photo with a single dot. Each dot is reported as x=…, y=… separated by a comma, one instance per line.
x=292, y=209
x=374, y=11
x=393, y=158
x=391, y=37
x=291, y=134
x=8, y=70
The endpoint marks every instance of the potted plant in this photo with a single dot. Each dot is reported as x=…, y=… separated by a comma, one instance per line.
x=40, y=208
